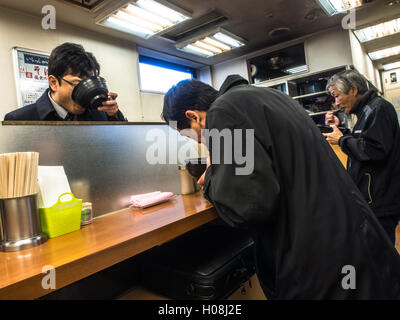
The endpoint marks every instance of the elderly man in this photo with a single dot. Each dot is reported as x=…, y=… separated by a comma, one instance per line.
x=373, y=147
x=315, y=236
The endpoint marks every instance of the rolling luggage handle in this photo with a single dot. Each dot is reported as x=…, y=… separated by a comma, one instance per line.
x=241, y=274
x=196, y=290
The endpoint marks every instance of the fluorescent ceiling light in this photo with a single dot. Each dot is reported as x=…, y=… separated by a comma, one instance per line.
x=333, y=7
x=162, y=11
x=146, y=24
x=228, y=40
x=145, y=18
x=391, y=66
x=208, y=47
x=297, y=69
x=215, y=43
x=198, y=51
x=378, y=31
x=128, y=27
x=377, y=55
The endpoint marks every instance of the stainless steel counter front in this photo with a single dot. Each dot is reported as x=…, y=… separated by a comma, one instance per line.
x=105, y=164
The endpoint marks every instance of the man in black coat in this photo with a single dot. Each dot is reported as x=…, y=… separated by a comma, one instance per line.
x=69, y=64
x=373, y=147
x=315, y=236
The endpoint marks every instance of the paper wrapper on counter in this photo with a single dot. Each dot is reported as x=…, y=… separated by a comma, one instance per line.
x=145, y=200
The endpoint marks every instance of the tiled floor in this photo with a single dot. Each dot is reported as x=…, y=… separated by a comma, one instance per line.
x=251, y=290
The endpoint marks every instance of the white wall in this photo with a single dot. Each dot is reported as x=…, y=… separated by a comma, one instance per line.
x=205, y=75
x=118, y=58
x=363, y=63
x=152, y=105
x=222, y=70
x=328, y=50
x=392, y=89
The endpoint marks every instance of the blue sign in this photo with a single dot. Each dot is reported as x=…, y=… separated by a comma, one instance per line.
x=38, y=60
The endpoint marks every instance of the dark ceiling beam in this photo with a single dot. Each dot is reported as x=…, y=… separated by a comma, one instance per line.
x=379, y=63
x=382, y=43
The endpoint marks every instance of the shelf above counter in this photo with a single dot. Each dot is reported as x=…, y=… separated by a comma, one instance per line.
x=311, y=95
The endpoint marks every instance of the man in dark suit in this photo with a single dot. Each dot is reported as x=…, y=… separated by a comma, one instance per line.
x=69, y=64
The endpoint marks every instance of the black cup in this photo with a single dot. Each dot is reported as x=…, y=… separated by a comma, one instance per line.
x=328, y=129
x=91, y=92
x=196, y=166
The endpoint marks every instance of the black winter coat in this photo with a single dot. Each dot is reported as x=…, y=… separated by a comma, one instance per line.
x=373, y=150
x=308, y=218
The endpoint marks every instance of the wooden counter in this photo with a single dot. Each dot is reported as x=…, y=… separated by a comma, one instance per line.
x=340, y=154
x=110, y=239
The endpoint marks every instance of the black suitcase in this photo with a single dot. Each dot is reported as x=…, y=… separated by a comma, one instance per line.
x=208, y=263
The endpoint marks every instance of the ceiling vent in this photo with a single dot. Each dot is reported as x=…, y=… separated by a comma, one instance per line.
x=315, y=14
x=279, y=32
x=86, y=4
x=194, y=26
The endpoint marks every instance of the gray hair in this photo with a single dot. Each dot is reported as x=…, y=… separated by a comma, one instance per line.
x=344, y=81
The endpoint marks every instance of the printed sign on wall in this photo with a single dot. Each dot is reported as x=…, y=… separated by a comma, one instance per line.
x=31, y=74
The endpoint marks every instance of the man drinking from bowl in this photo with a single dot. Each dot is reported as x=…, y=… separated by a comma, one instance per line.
x=69, y=64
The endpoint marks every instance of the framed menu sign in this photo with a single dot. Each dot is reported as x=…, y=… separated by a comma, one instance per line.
x=31, y=76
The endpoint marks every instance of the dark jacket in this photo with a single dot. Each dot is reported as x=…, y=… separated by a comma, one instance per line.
x=308, y=218
x=373, y=150
x=43, y=110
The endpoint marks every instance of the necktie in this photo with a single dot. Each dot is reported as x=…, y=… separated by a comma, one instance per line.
x=69, y=117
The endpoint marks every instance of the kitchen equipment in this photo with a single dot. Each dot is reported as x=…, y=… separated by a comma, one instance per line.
x=19, y=223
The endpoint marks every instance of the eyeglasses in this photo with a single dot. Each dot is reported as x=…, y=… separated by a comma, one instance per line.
x=72, y=84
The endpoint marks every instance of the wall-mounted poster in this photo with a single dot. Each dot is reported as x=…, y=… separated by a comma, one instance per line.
x=393, y=77
x=31, y=74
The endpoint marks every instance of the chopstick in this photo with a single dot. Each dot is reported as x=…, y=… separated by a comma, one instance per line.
x=18, y=174
x=324, y=112
x=11, y=175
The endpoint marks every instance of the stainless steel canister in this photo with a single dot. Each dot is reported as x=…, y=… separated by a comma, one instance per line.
x=188, y=184
x=20, y=224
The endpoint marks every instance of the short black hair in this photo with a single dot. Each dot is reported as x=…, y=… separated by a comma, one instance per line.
x=187, y=95
x=71, y=58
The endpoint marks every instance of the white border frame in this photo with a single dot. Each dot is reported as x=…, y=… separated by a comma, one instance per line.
x=14, y=52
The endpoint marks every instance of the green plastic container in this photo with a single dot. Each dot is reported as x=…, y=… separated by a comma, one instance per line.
x=61, y=218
